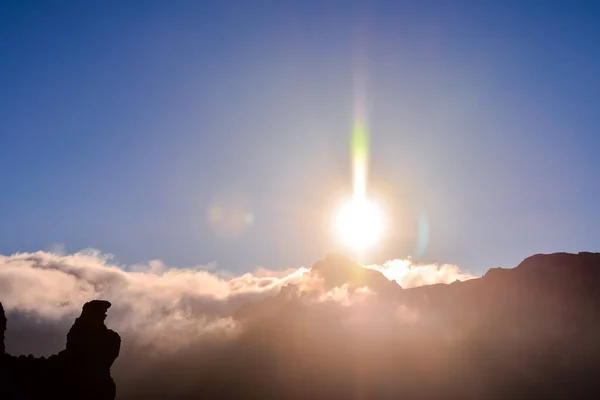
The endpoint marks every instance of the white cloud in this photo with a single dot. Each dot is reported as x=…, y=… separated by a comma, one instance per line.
x=409, y=275
x=181, y=320
x=161, y=304
x=345, y=296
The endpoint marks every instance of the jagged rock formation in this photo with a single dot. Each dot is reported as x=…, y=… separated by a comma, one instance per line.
x=81, y=371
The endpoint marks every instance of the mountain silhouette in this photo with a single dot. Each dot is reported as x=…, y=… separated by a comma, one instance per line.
x=532, y=331
x=80, y=371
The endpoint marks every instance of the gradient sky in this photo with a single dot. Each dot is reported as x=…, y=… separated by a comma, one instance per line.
x=123, y=122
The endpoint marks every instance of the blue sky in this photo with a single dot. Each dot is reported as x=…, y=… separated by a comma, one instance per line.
x=123, y=123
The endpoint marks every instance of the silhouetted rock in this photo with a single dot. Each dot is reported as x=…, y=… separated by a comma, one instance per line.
x=81, y=371
x=2, y=328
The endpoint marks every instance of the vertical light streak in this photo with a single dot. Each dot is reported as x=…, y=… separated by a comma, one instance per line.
x=360, y=135
x=360, y=160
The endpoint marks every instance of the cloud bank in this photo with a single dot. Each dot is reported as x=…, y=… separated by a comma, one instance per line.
x=54, y=287
x=192, y=319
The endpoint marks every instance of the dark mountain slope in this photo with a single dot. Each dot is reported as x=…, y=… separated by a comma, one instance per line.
x=533, y=330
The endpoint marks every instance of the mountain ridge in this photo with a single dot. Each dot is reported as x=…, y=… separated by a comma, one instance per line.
x=550, y=268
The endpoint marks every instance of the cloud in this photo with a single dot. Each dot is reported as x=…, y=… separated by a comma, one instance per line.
x=56, y=285
x=187, y=320
x=409, y=275
x=166, y=302
x=160, y=302
x=345, y=296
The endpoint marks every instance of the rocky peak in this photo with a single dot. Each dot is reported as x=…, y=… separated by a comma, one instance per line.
x=80, y=371
x=337, y=270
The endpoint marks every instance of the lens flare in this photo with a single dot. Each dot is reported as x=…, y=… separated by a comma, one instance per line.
x=229, y=214
x=360, y=159
x=359, y=221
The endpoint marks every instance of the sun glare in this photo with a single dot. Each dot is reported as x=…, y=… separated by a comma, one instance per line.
x=359, y=223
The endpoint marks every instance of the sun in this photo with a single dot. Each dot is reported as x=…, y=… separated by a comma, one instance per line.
x=359, y=223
